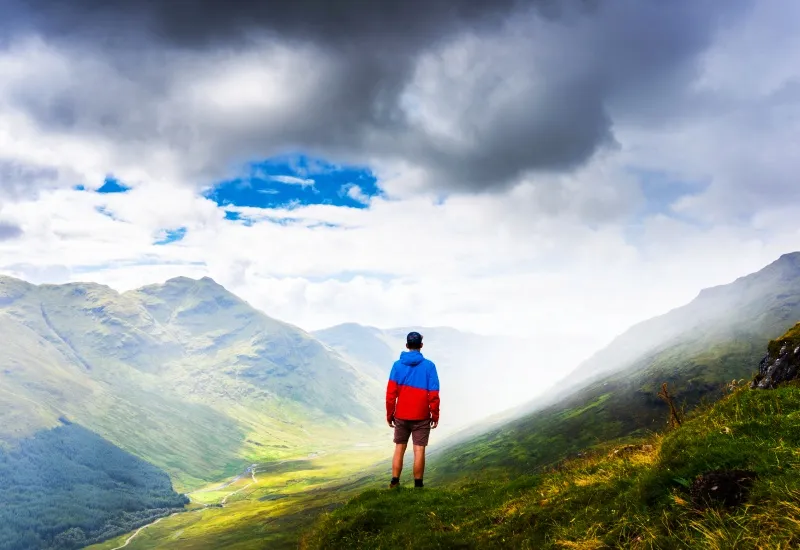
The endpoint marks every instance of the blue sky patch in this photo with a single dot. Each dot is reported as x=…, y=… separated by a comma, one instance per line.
x=171, y=236
x=661, y=191
x=113, y=185
x=296, y=180
x=235, y=216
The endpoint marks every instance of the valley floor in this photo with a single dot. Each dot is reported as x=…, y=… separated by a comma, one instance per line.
x=267, y=506
x=637, y=497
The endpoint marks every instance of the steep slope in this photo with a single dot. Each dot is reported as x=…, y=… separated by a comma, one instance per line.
x=259, y=356
x=185, y=375
x=639, y=496
x=695, y=349
x=467, y=364
x=759, y=304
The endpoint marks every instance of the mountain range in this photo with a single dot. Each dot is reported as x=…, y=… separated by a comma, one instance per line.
x=186, y=379
x=183, y=374
x=696, y=349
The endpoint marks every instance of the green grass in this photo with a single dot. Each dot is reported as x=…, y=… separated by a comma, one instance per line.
x=791, y=339
x=270, y=513
x=636, y=500
x=618, y=406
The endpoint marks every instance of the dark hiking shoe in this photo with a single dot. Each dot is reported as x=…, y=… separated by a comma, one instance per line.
x=394, y=484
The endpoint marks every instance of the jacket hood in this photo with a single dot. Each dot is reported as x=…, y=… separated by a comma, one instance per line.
x=411, y=358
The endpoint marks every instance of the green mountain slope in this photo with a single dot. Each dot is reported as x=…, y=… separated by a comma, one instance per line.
x=635, y=497
x=184, y=375
x=717, y=337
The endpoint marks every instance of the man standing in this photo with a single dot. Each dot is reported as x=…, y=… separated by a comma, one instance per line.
x=412, y=406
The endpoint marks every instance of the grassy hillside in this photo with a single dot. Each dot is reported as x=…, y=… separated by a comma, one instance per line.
x=637, y=497
x=270, y=509
x=718, y=337
x=184, y=375
x=618, y=406
x=756, y=305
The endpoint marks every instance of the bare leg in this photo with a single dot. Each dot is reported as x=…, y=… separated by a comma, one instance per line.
x=419, y=461
x=397, y=461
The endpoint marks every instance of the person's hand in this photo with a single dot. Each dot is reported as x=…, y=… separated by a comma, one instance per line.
x=390, y=421
x=434, y=423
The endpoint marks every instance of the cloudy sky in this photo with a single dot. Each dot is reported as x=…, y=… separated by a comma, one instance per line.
x=532, y=167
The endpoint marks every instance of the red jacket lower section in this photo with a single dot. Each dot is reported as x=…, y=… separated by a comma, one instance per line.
x=409, y=403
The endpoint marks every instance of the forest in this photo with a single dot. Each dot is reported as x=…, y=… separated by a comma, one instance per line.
x=67, y=487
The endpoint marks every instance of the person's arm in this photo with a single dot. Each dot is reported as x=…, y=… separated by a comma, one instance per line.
x=433, y=395
x=391, y=398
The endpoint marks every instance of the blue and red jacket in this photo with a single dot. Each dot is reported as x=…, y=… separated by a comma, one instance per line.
x=413, y=389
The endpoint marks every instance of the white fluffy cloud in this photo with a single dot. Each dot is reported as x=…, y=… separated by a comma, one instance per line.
x=568, y=259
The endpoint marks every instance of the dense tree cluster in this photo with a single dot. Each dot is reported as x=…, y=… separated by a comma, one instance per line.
x=67, y=487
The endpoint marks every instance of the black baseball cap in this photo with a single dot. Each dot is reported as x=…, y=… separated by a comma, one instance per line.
x=414, y=339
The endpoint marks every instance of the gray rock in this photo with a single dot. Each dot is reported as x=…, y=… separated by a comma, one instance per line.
x=775, y=370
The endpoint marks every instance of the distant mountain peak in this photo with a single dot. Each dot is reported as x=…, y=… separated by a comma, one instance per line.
x=186, y=283
x=790, y=261
x=8, y=279
x=787, y=265
x=179, y=280
x=182, y=280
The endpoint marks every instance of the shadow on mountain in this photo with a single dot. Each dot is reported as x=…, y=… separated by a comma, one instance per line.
x=67, y=487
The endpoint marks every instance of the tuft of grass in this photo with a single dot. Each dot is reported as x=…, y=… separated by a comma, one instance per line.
x=790, y=339
x=635, y=498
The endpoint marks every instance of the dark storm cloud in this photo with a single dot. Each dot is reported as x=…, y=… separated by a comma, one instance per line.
x=542, y=96
x=204, y=23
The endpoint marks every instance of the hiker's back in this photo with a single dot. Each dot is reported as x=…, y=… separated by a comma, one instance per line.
x=416, y=379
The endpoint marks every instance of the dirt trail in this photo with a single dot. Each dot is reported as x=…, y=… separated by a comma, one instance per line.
x=142, y=528
x=251, y=470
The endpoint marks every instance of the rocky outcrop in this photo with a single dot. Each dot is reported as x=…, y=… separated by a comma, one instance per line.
x=782, y=362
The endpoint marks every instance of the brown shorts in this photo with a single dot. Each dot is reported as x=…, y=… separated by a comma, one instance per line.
x=419, y=430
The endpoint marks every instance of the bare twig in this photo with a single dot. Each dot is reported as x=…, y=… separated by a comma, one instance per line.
x=674, y=416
